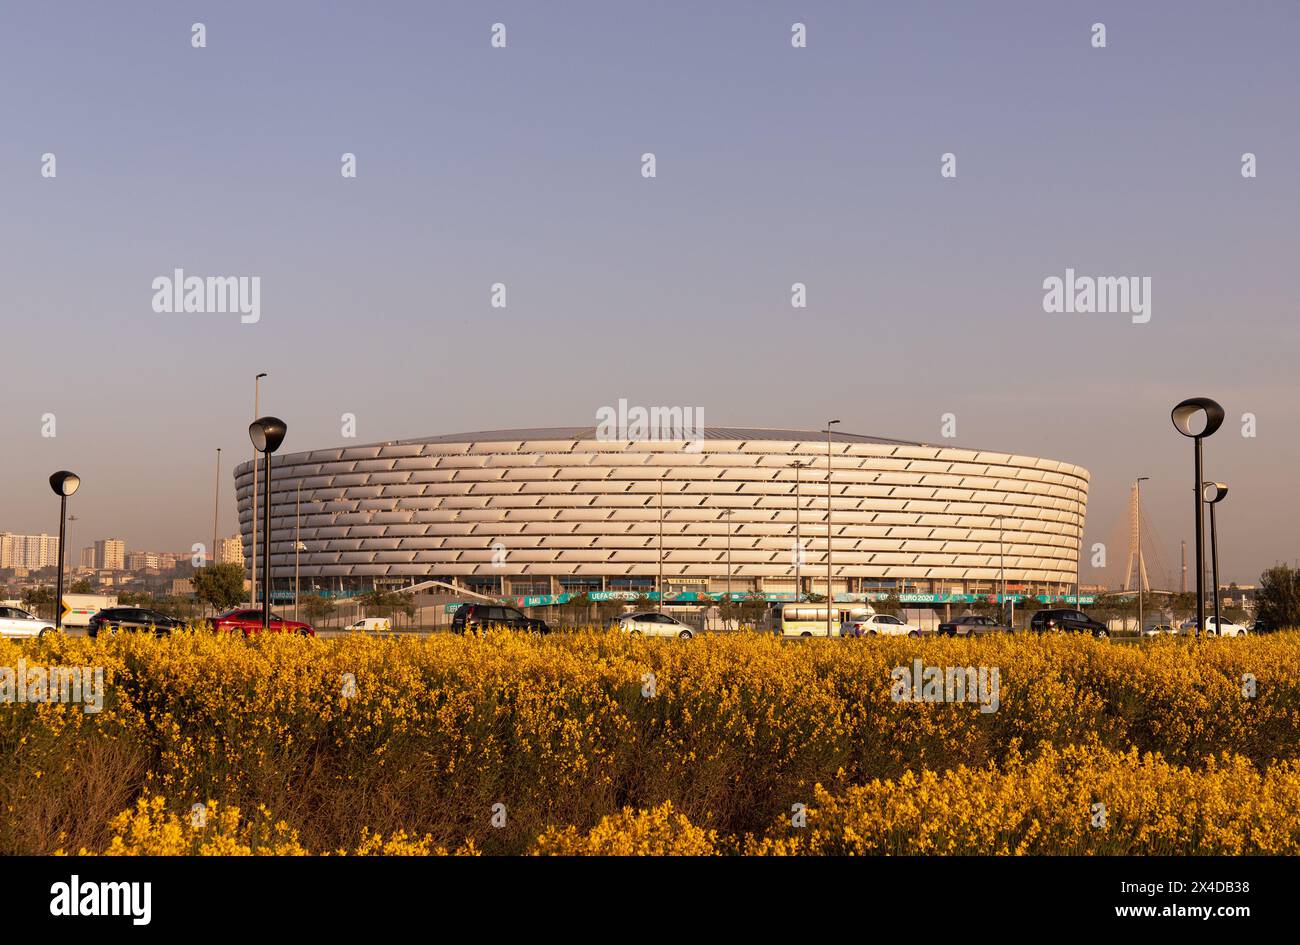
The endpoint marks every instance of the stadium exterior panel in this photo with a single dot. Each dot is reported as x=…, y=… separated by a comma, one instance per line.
x=550, y=511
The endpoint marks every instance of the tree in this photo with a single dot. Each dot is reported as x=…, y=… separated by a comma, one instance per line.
x=81, y=586
x=1277, y=602
x=576, y=610
x=752, y=609
x=40, y=600
x=219, y=585
x=316, y=607
x=890, y=605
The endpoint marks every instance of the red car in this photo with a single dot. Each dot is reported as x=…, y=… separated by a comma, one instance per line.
x=244, y=620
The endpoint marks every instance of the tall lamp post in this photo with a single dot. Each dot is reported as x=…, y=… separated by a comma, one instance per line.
x=257, y=412
x=267, y=433
x=216, y=507
x=1142, y=571
x=660, y=588
x=725, y=621
x=830, y=589
x=1002, y=572
x=72, y=565
x=1197, y=418
x=1213, y=493
x=798, y=540
x=63, y=483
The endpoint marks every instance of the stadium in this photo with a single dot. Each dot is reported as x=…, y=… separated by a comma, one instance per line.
x=542, y=514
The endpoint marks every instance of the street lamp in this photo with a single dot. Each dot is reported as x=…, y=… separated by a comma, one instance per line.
x=1002, y=576
x=216, y=507
x=1141, y=566
x=798, y=541
x=63, y=483
x=660, y=595
x=257, y=412
x=830, y=590
x=267, y=433
x=727, y=610
x=1213, y=493
x=1198, y=417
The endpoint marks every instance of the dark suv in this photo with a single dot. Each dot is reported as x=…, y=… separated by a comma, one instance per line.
x=972, y=625
x=112, y=619
x=1067, y=621
x=478, y=617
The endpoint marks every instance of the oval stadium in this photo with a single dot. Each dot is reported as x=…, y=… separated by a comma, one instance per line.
x=538, y=514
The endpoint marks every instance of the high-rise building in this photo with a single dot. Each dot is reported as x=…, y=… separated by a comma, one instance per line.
x=230, y=551
x=28, y=551
x=110, y=554
x=142, y=561
x=88, y=557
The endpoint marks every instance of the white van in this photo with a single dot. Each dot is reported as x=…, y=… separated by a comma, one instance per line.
x=809, y=620
x=371, y=625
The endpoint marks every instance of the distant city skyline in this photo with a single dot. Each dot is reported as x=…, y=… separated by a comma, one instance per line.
x=775, y=166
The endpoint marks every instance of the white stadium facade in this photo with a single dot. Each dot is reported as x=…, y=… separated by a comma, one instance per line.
x=541, y=515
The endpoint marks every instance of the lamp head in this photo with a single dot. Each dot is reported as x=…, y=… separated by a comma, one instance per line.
x=1197, y=417
x=267, y=433
x=64, y=483
x=1214, y=492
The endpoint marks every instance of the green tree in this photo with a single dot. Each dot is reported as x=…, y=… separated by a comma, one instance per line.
x=890, y=605
x=316, y=608
x=40, y=601
x=221, y=586
x=1277, y=602
x=752, y=609
x=81, y=586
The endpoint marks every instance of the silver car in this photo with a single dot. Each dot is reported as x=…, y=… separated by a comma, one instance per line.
x=16, y=623
x=653, y=624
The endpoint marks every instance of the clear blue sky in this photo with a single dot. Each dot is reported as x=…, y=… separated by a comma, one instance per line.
x=775, y=165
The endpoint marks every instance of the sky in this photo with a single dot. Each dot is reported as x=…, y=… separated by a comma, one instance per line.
x=774, y=165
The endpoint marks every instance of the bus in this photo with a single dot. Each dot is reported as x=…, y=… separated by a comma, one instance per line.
x=809, y=620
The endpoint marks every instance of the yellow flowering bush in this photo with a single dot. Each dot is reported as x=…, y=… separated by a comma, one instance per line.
x=659, y=831
x=1067, y=801
x=416, y=740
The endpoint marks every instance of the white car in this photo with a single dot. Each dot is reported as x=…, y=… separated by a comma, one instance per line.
x=1160, y=629
x=883, y=624
x=17, y=623
x=654, y=625
x=370, y=625
x=1224, y=628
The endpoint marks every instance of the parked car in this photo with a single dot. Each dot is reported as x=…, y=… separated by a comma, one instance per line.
x=16, y=622
x=883, y=624
x=1160, y=629
x=370, y=625
x=246, y=620
x=972, y=625
x=1223, y=627
x=133, y=619
x=653, y=624
x=478, y=617
x=1262, y=626
x=1067, y=621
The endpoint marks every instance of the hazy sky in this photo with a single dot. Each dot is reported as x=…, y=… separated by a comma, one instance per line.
x=775, y=165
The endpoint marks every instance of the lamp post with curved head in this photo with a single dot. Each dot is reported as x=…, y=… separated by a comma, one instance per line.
x=1213, y=493
x=830, y=589
x=1198, y=417
x=257, y=412
x=798, y=539
x=267, y=433
x=63, y=483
